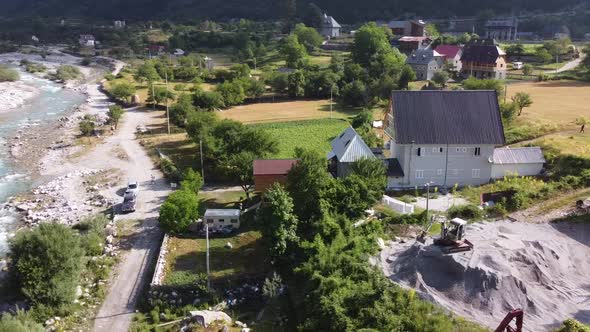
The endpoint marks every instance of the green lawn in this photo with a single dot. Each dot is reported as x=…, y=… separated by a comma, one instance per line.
x=311, y=134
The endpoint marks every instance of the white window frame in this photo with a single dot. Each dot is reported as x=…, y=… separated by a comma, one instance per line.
x=458, y=149
x=419, y=174
x=476, y=173
x=434, y=150
x=463, y=149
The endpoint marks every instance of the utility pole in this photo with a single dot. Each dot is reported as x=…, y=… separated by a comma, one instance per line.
x=201, y=153
x=505, y=91
x=153, y=96
x=331, y=91
x=207, y=240
x=167, y=113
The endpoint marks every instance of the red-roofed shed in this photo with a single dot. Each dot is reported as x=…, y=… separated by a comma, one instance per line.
x=269, y=171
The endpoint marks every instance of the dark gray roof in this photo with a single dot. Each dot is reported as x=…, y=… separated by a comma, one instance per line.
x=422, y=57
x=447, y=117
x=482, y=50
x=526, y=155
x=349, y=147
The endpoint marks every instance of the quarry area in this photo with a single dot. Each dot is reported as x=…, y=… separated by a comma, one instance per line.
x=541, y=268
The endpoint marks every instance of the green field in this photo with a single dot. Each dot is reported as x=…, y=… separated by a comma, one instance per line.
x=311, y=134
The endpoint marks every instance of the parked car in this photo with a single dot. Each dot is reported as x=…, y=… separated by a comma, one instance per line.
x=129, y=202
x=132, y=187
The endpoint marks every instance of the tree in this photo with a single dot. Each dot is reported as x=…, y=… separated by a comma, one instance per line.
x=8, y=74
x=254, y=88
x=180, y=111
x=440, y=78
x=279, y=82
x=239, y=167
x=47, y=262
x=232, y=93
x=278, y=224
x=363, y=118
x=431, y=31
x=123, y=91
x=582, y=122
x=240, y=71
x=147, y=72
x=473, y=83
x=296, y=84
x=515, y=50
x=115, y=113
x=543, y=55
x=355, y=94
x=293, y=52
x=522, y=100
x=208, y=100
x=86, y=127
x=306, y=181
x=308, y=37
x=159, y=94
x=179, y=210
x=406, y=76
x=313, y=16
x=508, y=112
x=191, y=181
x=527, y=69
x=369, y=41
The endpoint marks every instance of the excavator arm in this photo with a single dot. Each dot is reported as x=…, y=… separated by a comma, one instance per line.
x=515, y=314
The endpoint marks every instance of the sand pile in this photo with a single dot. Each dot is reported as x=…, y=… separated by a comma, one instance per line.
x=541, y=268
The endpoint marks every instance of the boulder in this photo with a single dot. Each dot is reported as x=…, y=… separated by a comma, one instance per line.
x=206, y=317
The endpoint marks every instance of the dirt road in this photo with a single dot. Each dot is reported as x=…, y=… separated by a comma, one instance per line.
x=133, y=271
x=568, y=66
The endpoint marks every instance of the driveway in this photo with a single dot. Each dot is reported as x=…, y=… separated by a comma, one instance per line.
x=568, y=66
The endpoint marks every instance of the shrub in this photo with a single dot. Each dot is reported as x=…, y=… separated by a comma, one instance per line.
x=572, y=325
x=179, y=210
x=407, y=219
x=92, y=243
x=21, y=322
x=86, y=127
x=67, y=73
x=47, y=262
x=109, y=77
x=8, y=74
x=469, y=212
x=170, y=170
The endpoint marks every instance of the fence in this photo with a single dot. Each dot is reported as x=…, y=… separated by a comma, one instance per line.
x=397, y=205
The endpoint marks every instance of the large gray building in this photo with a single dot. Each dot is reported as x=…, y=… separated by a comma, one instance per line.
x=502, y=29
x=443, y=137
x=425, y=63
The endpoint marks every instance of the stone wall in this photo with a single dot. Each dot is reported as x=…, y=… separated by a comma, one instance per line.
x=160, y=264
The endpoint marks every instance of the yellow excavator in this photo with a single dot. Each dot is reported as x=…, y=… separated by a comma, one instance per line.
x=452, y=234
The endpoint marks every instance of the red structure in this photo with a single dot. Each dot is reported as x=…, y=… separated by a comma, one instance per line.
x=268, y=171
x=515, y=314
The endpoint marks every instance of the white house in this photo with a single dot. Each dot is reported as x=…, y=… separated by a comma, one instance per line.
x=425, y=63
x=330, y=28
x=217, y=218
x=87, y=40
x=527, y=161
x=452, y=55
x=451, y=137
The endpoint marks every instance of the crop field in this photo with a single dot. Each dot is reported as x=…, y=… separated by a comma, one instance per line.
x=559, y=102
x=287, y=111
x=312, y=134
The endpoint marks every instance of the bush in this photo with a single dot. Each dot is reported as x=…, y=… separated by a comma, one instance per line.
x=170, y=170
x=109, y=77
x=86, y=127
x=21, y=322
x=407, y=219
x=8, y=74
x=469, y=212
x=572, y=325
x=67, y=73
x=179, y=210
x=47, y=262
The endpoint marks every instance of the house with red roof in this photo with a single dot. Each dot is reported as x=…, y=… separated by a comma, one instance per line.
x=266, y=172
x=452, y=55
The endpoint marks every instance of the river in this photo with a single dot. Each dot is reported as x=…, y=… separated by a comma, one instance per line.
x=48, y=105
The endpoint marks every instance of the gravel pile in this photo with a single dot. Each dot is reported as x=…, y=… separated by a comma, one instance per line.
x=541, y=268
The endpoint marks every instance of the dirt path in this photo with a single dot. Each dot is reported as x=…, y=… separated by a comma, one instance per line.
x=133, y=271
x=568, y=66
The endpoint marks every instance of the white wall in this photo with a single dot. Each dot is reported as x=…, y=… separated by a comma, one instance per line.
x=501, y=170
x=221, y=221
x=397, y=205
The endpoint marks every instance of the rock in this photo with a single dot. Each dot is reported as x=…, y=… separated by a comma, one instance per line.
x=245, y=329
x=196, y=301
x=381, y=243
x=162, y=316
x=174, y=294
x=78, y=291
x=229, y=245
x=206, y=317
x=240, y=324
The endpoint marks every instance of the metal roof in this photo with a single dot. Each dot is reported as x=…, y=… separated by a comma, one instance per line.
x=349, y=147
x=222, y=213
x=448, y=51
x=272, y=166
x=447, y=117
x=422, y=57
x=330, y=22
x=482, y=50
x=526, y=155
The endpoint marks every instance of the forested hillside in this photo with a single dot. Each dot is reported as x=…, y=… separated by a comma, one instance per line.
x=348, y=11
